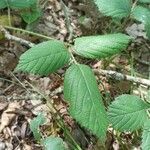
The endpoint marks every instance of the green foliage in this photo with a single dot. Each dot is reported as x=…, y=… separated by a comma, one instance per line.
x=31, y=15
x=114, y=8
x=3, y=4
x=101, y=46
x=144, y=1
x=146, y=136
x=19, y=4
x=35, y=124
x=147, y=29
x=128, y=113
x=141, y=14
x=53, y=143
x=44, y=58
x=82, y=93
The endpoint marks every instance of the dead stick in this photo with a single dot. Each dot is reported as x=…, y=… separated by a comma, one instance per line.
x=120, y=76
x=14, y=38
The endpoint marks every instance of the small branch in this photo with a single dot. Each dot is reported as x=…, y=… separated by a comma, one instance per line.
x=120, y=76
x=14, y=38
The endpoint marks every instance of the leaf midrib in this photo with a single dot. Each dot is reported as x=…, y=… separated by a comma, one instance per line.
x=90, y=94
x=39, y=57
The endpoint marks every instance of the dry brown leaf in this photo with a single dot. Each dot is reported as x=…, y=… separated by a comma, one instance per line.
x=3, y=105
x=8, y=115
x=27, y=147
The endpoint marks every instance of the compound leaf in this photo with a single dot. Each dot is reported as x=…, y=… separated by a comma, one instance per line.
x=101, y=46
x=141, y=14
x=53, y=143
x=44, y=58
x=146, y=136
x=114, y=8
x=82, y=93
x=35, y=124
x=128, y=113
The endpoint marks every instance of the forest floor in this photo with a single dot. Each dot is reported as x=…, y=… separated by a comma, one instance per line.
x=21, y=94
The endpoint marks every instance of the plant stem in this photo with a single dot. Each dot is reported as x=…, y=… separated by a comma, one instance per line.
x=73, y=58
x=134, y=4
x=8, y=11
x=29, y=32
x=17, y=39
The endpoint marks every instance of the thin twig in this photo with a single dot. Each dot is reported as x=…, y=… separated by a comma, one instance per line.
x=120, y=76
x=17, y=39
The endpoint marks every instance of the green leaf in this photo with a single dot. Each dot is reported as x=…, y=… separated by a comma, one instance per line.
x=144, y=1
x=31, y=16
x=114, y=8
x=146, y=136
x=35, y=124
x=101, y=46
x=128, y=113
x=21, y=4
x=3, y=4
x=147, y=29
x=82, y=93
x=53, y=143
x=141, y=14
x=44, y=58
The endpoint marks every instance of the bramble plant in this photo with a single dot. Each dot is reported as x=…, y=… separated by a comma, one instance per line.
x=127, y=112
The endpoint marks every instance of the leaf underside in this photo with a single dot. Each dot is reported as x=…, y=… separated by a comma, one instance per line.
x=35, y=124
x=114, y=8
x=53, y=143
x=127, y=113
x=101, y=46
x=44, y=58
x=82, y=93
x=146, y=136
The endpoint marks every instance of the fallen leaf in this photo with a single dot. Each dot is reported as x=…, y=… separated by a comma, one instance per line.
x=7, y=117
